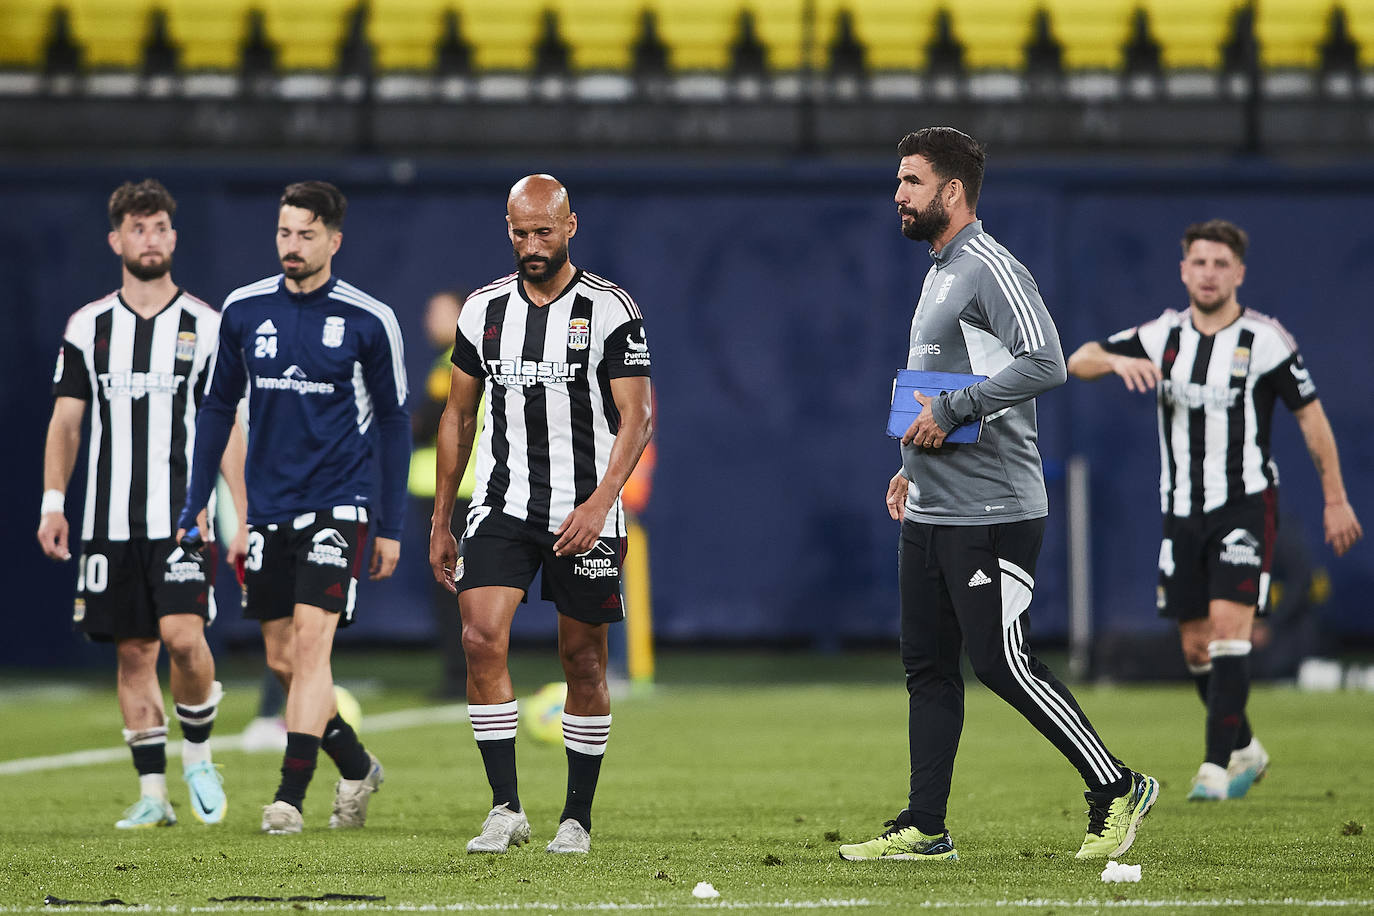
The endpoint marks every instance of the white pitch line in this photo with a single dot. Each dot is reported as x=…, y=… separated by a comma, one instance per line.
x=381, y=722
x=832, y=903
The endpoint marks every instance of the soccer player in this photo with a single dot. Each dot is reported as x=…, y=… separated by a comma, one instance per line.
x=565, y=365
x=1218, y=368
x=973, y=515
x=140, y=356
x=322, y=363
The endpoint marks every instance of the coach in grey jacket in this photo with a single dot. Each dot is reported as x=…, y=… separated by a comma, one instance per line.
x=973, y=515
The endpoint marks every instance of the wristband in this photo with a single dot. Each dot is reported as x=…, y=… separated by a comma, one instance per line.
x=53, y=501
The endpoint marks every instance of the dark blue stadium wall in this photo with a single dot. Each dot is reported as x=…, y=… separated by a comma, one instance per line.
x=777, y=302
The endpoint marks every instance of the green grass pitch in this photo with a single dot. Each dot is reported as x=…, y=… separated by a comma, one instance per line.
x=742, y=771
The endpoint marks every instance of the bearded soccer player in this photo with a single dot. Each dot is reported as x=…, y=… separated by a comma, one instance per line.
x=973, y=515
x=1217, y=369
x=322, y=363
x=140, y=357
x=562, y=356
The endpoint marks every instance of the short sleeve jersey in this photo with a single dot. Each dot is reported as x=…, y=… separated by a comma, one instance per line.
x=1216, y=403
x=551, y=420
x=144, y=379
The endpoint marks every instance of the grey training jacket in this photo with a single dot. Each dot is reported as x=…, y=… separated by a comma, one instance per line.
x=980, y=312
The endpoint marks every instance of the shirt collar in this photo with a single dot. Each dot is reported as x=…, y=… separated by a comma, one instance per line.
x=946, y=254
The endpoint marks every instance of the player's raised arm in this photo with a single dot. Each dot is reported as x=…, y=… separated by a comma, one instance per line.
x=1092, y=361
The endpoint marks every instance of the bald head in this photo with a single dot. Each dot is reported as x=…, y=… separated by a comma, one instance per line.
x=538, y=195
x=540, y=221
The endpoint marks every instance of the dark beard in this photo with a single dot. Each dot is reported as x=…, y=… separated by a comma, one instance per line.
x=141, y=271
x=926, y=225
x=543, y=269
x=299, y=271
x=1208, y=309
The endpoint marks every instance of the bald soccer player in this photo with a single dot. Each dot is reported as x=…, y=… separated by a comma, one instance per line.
x=564, y=362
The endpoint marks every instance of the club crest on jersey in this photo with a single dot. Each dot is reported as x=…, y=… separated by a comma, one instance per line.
x=579, y=334
x=944, y=288
x=333, y=331
x=1240, y=362
x=186, y=345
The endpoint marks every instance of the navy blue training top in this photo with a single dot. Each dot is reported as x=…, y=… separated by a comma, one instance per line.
x=319, y=369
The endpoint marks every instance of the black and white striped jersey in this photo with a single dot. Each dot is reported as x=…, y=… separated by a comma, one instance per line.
x=145, y=378
x=551, y=420
x=1216, y=403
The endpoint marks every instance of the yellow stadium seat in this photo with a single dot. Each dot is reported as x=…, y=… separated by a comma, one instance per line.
x=24, y=26
x=1190, y=32
x=1359, y=15
x=307, y=33
x=1290, y=32
x=894, y=33
x=698, y=35
x=1093, y=32
x=994, y=32
x=600, y=32
x=210, y=33
x=502, y=33
x=406, y=32
x=110, y=31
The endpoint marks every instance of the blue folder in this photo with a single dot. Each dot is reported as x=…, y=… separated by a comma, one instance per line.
x=905, y=407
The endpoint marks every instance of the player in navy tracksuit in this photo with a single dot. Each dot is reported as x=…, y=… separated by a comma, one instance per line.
x=322, y=363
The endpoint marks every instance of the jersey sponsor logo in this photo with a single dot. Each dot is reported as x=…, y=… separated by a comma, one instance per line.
x=1192, y=396
x=926, y=349
x=333, y=331
x=1240, y=548
x=1303, y=378
x=186, y=346
x=979, y=578
x=267, y=327
x=579, y=334
x=637, y=351
x=184, y=567
x=61, y=365
x=525, y=372
x=327, y=549
x=492, y=332
x=293, y=379
x=944, y=288
x=1240, y=362
x=135, y=385
x=597, y=562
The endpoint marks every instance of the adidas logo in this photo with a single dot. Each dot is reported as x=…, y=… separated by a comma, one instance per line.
x=267, y=327
x=979, y=578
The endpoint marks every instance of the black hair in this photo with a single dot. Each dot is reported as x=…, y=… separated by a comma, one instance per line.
x=320, y=198
x=1217, y=230
x=142, y=199
x=951, y=154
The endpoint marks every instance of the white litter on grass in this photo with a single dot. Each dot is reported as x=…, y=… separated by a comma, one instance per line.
x=1117, y=873
x=704, y=891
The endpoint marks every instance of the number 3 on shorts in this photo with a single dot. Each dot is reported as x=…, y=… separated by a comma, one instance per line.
x=475, y=516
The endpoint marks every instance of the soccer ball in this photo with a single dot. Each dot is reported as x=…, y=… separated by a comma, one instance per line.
x=543, y=712
x=349, y=707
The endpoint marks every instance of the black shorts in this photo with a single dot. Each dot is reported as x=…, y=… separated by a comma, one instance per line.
x=1225, y=553
x=500, y=550
x=125, y=587
x=311, y=559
